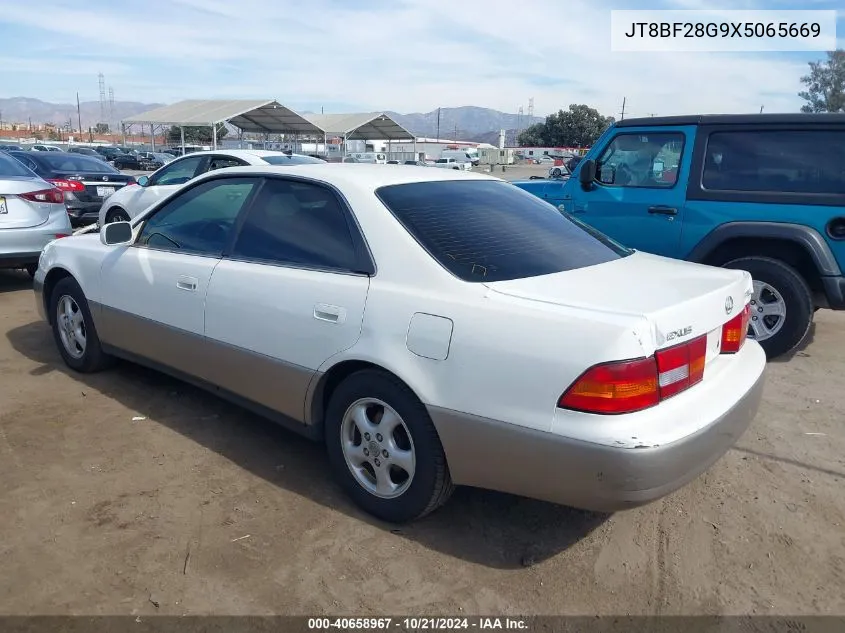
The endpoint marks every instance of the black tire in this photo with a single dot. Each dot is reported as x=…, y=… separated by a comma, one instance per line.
x=93, y=358
x=431, y=485
x=30, y=270
x=117, y=215
x=556, y=172
x=796, y=295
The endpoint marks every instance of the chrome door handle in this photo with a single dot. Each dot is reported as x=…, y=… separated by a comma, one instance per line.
x=330, y=313
x=187, y=283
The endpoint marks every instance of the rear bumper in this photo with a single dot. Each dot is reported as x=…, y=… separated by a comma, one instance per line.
x=496, y=455
x=81, y=213
x=834, y=289
x=21, y=247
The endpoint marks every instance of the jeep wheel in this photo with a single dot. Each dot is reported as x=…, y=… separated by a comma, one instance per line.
x=781, y=306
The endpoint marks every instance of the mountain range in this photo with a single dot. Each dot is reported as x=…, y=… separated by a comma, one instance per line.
x=468, y=123
x=24, y=109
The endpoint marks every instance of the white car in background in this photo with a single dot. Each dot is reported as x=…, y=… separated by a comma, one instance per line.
x=432, y=327
x=453, y=163
x=128, y=202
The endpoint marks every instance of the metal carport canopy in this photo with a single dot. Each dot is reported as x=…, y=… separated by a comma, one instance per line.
x=261, y=116
x=361, y=126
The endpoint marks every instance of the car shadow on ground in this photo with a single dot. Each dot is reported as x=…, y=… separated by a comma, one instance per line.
x=800, y=349
x=13, y=279
x=487, y=528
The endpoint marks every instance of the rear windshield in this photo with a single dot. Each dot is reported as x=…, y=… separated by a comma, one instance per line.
x=485, y=231
x=12, y=167
x=63, y=161
x=291, y=160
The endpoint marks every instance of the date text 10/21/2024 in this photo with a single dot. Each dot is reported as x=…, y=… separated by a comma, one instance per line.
x=417, y=624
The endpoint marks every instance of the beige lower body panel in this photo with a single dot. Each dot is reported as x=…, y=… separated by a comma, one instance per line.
x=233, y=372
x=495, y=455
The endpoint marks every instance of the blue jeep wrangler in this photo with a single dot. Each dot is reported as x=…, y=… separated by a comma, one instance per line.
x=763, y=193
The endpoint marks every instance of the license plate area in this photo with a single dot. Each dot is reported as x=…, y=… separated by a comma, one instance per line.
x=105, y=192
x=3, y=207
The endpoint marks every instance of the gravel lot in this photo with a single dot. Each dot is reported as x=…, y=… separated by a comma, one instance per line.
x=129, y=492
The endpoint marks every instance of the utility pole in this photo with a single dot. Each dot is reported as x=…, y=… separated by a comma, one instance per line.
x=30, y=125
x=438, y=125
x=624, y=99
x=761, y=109
x=78, y=114
x=456, y=132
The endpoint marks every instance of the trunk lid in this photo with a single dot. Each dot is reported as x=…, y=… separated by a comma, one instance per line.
x=19, y=213
x=98, y=186
x=679, y=299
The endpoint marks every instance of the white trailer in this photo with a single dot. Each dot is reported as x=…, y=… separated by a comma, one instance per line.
x=495, y=156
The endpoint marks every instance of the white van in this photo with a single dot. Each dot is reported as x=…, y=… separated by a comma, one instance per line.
x=460, y=155
x=370, y=157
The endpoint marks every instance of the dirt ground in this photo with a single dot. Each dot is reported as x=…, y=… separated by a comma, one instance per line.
x=128, y=492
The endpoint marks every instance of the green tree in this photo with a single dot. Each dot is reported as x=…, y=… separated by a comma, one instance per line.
x=579, y=126
x=825, y=84
x=199, y=135
x=53, y=135
x=101, y=128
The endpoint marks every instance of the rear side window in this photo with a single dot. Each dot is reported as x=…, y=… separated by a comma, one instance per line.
x=297, y=223
x=485, y=231
x=12, y=167
x=784, y=161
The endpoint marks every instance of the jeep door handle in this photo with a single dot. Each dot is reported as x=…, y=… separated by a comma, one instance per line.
x=663, y=210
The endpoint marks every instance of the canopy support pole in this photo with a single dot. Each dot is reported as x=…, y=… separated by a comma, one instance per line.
x=214, y=135
x=182, y=134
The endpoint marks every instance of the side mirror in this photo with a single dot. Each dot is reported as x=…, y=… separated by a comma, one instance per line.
x=116, y=233
x=587, y=173
x=143, y=180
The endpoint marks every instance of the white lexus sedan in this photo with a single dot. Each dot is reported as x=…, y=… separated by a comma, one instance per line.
x=128, y=202
x=433, y=327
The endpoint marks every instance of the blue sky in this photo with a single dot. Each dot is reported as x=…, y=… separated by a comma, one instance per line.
x=403, y=55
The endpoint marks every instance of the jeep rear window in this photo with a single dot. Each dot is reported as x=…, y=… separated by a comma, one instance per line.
x=485, y=231
x=783, y=161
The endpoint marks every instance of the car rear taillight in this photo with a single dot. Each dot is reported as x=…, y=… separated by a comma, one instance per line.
x=680, y=367
x=611, y=388
x=634, y=385
x=53, y=196
x=61, y=235
x=735, y=331
x=67, y=185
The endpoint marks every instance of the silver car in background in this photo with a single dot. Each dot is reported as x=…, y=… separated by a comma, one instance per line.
x=32, y=214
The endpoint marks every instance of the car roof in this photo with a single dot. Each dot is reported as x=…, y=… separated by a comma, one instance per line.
x=248, y=155
x=736, y=119
x=356, y=175
x=245, y=153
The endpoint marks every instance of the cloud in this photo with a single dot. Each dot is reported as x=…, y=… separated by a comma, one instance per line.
x=405, y=55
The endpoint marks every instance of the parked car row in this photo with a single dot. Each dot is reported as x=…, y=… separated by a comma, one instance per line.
x=397, y=281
